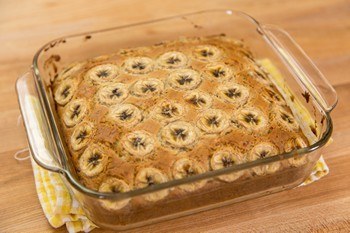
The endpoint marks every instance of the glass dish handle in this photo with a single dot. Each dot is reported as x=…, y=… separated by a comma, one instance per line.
x=306, y=71
x=40, y=140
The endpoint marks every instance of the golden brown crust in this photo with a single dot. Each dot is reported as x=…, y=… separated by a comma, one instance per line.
x=200, y=128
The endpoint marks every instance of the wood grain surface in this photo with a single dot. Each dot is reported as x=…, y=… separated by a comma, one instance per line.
x=322, y=28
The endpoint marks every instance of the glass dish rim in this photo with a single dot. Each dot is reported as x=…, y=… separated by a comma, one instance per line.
x=172, y=183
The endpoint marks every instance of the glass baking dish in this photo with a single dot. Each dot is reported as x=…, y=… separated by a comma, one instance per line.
x=305, y=89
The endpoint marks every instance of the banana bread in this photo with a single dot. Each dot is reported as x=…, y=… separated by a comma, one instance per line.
x=147, y=115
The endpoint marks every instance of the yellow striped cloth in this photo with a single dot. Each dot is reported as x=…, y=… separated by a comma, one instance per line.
x=320, y=170
x=61, y=208
x=58, y=205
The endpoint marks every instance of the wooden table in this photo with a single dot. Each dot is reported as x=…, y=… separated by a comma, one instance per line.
x=322, y=28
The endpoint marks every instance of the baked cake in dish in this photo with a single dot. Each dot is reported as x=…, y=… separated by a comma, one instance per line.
x=148, y=115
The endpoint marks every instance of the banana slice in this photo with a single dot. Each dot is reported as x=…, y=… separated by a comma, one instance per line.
x=65, y=92
x=198, y=99
x=138, y=143
x=294, y=144
x=185, y=167
x=178, y=134
x=93, y=161
x=74, y=112
x=285, y=119
x=207, y=53
x=233, y=93
x=262, y=150
x=168, y=111
x=138, y=65
x=69, y=71
x=114, y=185
x=261, y=75
x=125, y=115
x=147, y=88
x=102, y=73
x=172, y=60
x=184, y=79
x=81, y=135
x=219, y=71
x=272, y=96
x=213, y=121
x=251, y=119
x=112, y=94
x=149, y=176
x=226, y=158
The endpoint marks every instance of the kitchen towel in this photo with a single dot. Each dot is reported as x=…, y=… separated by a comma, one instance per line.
x=59, y=207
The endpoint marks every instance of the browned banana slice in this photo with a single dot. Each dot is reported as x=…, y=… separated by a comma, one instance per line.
x=138, y=143
x=74, y=112
x=168, y=111
x=112, y=94
x=93, y=161
x=102, y=73
x=125, y=115
x=198, y=99
x=272, y=96
x=295, y=144
x=226, y=158
x=147, y=88
x=81, y=135
x=178, y=134
x=114, y=185
x=185, y=167
x=138, y=65
x=150, y=176
x=65, y=91
x=263, y=150
x=233, y=93
x=172, y=60
x=219, y=71
x=213, y=121
x=184, y=79
x=285, y=119
x=207, y=53
x=251, y=119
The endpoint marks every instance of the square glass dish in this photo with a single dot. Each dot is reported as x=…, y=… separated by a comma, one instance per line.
x=308, y=94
